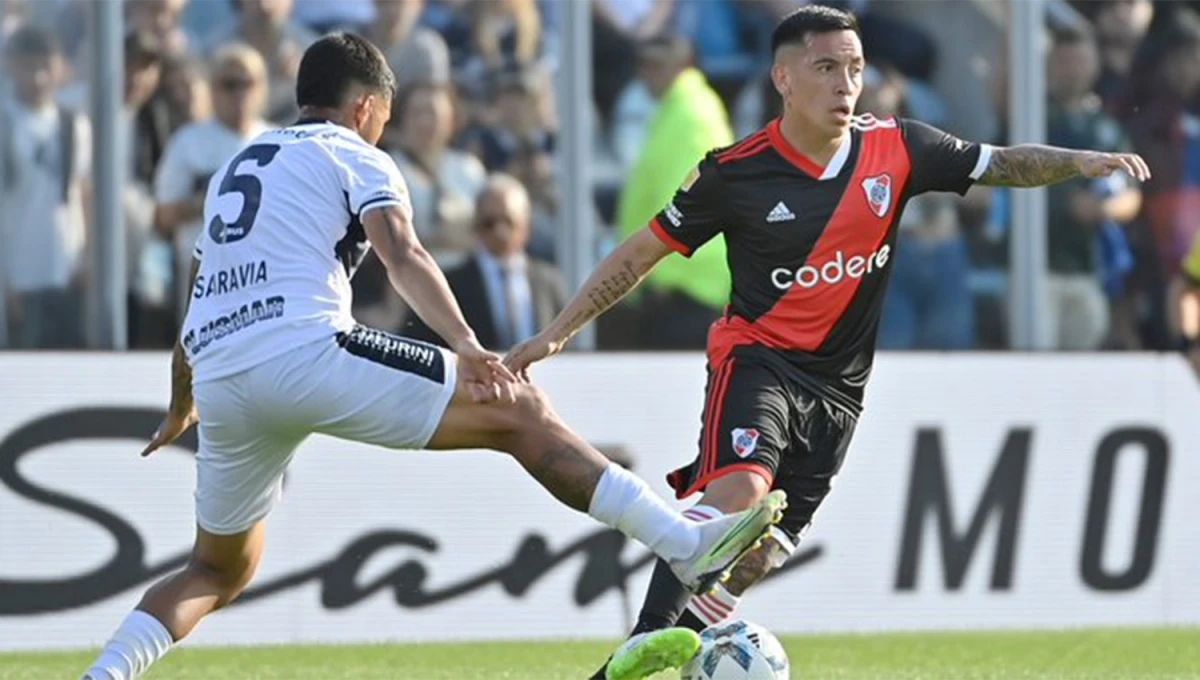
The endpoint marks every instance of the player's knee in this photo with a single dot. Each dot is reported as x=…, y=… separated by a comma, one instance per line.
x=736, y=491
x=528, y=418
x=533, y=411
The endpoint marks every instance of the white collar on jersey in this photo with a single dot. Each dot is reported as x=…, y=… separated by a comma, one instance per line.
x=839, y=158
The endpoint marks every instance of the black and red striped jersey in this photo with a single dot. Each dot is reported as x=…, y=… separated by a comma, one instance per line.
x=809, y=246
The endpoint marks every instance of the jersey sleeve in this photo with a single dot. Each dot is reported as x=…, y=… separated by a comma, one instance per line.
x=693, y=216
x=941, y=161
x=371, y=179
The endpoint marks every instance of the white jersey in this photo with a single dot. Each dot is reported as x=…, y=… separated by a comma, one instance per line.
x=280, y=241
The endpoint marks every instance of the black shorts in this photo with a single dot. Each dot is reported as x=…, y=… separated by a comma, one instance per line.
x=756, y=419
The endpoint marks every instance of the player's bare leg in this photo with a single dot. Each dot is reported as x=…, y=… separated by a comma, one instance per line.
x=217, y=572
x=698, y=553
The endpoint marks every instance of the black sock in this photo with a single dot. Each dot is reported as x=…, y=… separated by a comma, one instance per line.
x=688, y=619
x=666, y=599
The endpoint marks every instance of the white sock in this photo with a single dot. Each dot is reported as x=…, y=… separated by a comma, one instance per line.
x=139, y=642
x=787, y=545
x=702, y=513
x=623, y=501
x=715, y=607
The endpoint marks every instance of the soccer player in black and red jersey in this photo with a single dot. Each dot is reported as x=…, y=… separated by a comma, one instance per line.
x=809, y=208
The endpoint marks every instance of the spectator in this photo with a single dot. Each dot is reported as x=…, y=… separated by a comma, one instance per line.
x=506, y=32
x=618, y=26
x=265, y=25
x=535, y=169
x=517, y=123
x=45, y=150
x=683, y=296
x=1121, y=26
x=324, y=16
x=148, y=117
x=415, y=53
x=146, y=122
x=1166, y=133
x=1080, y=208
x=184, y=90
x=505, y=296
x=145, y=119
x=442, y=182
x=197, y=150
x=160, y=18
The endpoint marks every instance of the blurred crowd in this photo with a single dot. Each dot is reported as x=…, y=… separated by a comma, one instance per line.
x=474, y=132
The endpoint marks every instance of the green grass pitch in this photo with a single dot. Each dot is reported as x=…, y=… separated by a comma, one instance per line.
x=1114, y=654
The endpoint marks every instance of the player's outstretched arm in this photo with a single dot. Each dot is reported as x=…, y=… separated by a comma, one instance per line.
x=415, y=275
x=613, y=278
x=1033, y=165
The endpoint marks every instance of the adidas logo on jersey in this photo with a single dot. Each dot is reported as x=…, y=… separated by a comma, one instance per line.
x=780, y=213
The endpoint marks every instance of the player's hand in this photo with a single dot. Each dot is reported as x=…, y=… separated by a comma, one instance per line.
x=484, y=373
x=1094, y=164
x=175, y=424
x=520, y=358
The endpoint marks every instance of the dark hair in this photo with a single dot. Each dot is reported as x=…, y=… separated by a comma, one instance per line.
x=31, y=41
x=142, y=48
x=331, y=65
x=796, y=27
x=1073, y=35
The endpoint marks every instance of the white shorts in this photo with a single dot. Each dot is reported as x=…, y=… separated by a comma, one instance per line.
x=365, y=385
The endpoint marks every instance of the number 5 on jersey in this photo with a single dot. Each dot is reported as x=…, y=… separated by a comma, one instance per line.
x=249, y=187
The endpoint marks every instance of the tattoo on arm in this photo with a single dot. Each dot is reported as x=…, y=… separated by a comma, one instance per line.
x=181, y=370
x=1029, y=165
x=181, y=380
x=605, y=294
x=608, y=292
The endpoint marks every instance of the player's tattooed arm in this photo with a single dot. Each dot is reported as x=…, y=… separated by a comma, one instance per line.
x=613, y=279
x=1033, y=165
x=181, y=382
x=181, y=370
x=604, y=294
x=1029, y=165
x=181, y=414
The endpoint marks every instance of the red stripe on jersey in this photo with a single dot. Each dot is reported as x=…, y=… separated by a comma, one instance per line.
x=749, y=151
x=803, y=317
x=712, y=419
x=793, y=156
x=718, y=411
x=668, y=240
x=737, y=149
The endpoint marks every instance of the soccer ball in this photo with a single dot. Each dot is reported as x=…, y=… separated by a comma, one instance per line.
x=738, y=650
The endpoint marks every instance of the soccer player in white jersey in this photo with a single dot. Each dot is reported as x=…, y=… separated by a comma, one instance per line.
x=270, y=354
